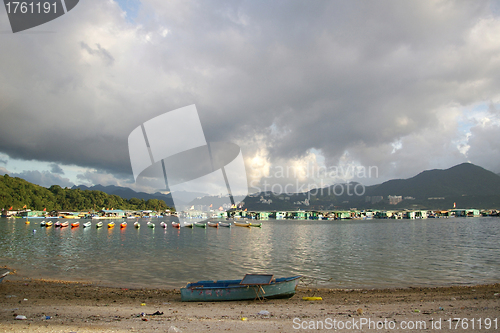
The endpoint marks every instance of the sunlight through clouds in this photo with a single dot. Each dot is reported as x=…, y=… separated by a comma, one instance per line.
x=405, y=87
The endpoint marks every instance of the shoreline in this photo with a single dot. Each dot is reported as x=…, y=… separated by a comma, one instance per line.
x=87, y=307
x=315, y=283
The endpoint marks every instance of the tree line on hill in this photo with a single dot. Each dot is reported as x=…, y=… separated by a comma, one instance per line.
x=465, y=186
x=17, y=193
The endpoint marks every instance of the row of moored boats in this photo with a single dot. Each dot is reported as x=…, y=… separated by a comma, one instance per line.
x=211, y=224
x=137, y=225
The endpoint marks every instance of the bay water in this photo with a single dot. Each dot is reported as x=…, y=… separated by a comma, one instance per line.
x=338, y=254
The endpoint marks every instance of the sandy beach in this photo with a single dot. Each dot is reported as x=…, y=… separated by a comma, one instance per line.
x=59, y=306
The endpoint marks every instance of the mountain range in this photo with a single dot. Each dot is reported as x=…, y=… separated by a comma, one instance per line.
x=182, y=197
x=465, y=185
x=128, y=193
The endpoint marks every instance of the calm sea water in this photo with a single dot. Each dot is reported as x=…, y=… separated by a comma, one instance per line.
x=345, y=254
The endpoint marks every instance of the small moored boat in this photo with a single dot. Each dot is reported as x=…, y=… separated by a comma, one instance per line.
x=151, y=225
x=99, y=224
x=213, y=224
x=242, y=224
x=111, y=225
x=225, y=224
x=75, y=224
x=48, y=224
x=123, y=224
x=256, y=225
x=137, y=225
x=188, y=224
x=163, y=225
x=252, y=286
x=200, y=225
x=64, y=224
x=42, y=224
x=87, y=224
x=176, y=225
x=3, y=273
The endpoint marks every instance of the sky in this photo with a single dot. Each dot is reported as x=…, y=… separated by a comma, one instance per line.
x=314, y=92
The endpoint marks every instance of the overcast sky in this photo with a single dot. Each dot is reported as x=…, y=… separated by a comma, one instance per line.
x=398, y=86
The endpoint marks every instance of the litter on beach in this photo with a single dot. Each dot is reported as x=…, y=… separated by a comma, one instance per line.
x=312, y=298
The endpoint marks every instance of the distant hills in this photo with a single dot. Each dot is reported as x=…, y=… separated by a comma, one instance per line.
x=128, y=193
x=183, y=198
x=463, y=179
x=17, y=194
x=466, y=185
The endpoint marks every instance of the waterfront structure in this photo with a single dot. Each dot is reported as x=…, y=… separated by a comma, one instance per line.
x=110, y=214
x=416, y=214
x=33, y=213
x=466, y=212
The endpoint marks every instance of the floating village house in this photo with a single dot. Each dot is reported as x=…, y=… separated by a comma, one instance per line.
x=466, y=212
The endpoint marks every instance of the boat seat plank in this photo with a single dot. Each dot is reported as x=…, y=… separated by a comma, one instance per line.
x=257, y=279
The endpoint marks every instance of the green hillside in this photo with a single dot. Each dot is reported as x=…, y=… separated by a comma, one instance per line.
x=18, y=193
x=463, y=179
x=466, y=185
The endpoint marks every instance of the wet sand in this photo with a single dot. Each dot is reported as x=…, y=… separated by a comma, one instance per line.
x=87, y=307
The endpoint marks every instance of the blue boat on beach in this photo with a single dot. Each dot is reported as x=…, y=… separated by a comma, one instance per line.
x=252, y=286
x=3, y=273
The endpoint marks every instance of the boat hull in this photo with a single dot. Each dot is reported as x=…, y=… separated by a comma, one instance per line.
x=3, y=273
x=239, y=224
x=232, y=290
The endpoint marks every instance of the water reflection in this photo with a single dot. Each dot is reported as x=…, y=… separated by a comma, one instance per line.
x=371, y=253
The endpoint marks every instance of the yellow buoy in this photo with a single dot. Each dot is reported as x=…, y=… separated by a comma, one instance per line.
x=312, y=298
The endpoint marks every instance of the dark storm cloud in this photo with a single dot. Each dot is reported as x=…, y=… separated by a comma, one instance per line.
x=284, y=76
x=338, y=76
x=42, y=178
